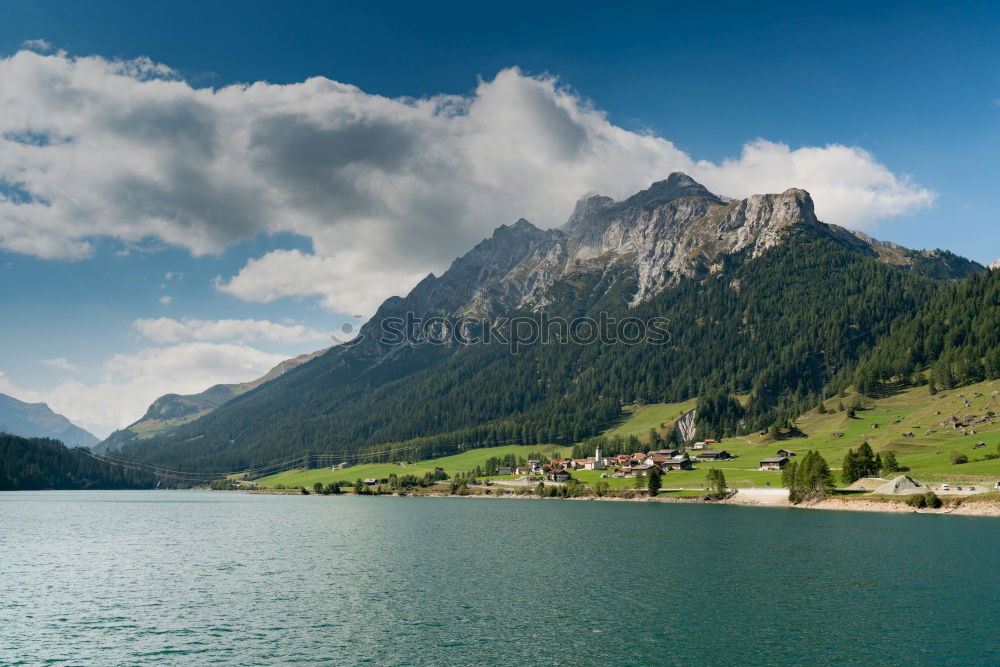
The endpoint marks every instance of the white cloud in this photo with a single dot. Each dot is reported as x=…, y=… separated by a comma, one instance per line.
x=41, y=45
x=62, y=363
x=168, y=330
x=348, y=282
x=130, y=382
x=386, y=189
x=166, y=299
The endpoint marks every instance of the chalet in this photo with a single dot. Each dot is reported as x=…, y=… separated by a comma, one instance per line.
x=505, y=471
x=774, y=463
x=710, y=441
x=785, y=452
x=341, y=466
x=642, y=469
x=677, y=463
x=558, y=474
x=371, y=481
x=658, y=461
x=520, y=470
x=714, y=455
x=665, y=452
x=698, y=445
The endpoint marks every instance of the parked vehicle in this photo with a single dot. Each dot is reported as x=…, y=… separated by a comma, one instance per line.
x=945, y=487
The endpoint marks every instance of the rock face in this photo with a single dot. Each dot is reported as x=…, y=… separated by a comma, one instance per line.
x=675, y=228
x=684, y=429
x=37, y=420
x=995, y=265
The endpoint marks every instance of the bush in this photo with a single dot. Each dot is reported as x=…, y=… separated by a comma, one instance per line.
x=917, y=500
x=957, y=458
x=931, y=499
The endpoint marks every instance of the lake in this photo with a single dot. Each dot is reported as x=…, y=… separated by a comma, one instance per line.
x=189, y=577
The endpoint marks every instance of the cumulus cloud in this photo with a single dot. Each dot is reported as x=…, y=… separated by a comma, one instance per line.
x=130, y=382
x=61, y=363
x=168, y=330
x=386, y=189
x=341, y=283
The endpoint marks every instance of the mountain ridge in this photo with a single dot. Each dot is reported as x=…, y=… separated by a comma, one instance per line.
x=38, y=420
x=172, y=410
x=673, y=229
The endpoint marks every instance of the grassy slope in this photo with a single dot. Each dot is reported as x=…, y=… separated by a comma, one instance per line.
x=451, y=464
x=644, y=417
x=927, y=455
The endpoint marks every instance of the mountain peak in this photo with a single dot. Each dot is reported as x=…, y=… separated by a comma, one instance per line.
x=675, y=186
x=995, y=265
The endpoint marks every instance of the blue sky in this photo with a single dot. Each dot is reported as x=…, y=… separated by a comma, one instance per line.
x=915, y=86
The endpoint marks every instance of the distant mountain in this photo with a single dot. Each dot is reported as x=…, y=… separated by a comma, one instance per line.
x=762, y=299
x=37, y=420
x=995, y=265
x=172, y=410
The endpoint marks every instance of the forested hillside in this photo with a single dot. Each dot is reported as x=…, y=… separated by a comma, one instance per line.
x=956, y=336
x=778, y=327
x=30, y=464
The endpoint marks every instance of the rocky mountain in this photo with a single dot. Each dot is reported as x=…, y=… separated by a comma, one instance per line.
x=37, y=420
x=995, y=265
x=673, y=230
x=172, y=410
x=763, y=298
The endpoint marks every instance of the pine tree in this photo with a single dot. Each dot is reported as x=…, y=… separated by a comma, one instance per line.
x=653, y=481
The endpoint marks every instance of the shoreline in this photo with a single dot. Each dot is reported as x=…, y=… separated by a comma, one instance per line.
x=741, y=498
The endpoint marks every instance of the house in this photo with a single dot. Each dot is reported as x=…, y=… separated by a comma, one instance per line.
x=698, y=445
x=658, y=461
x=714, y=455
x=505, y=471
x=520, y=470
x=710, y=441
x=558, y=474
x=678, y=462
x=341, y=466
x=665, y=452
x=371, y=481
x=785, y=452
x=642, y=469
x=774, y=463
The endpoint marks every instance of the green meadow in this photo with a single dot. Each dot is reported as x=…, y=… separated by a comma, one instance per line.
x=882, y=422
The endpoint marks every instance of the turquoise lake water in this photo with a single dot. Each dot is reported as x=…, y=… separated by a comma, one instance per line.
x=187, y=577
